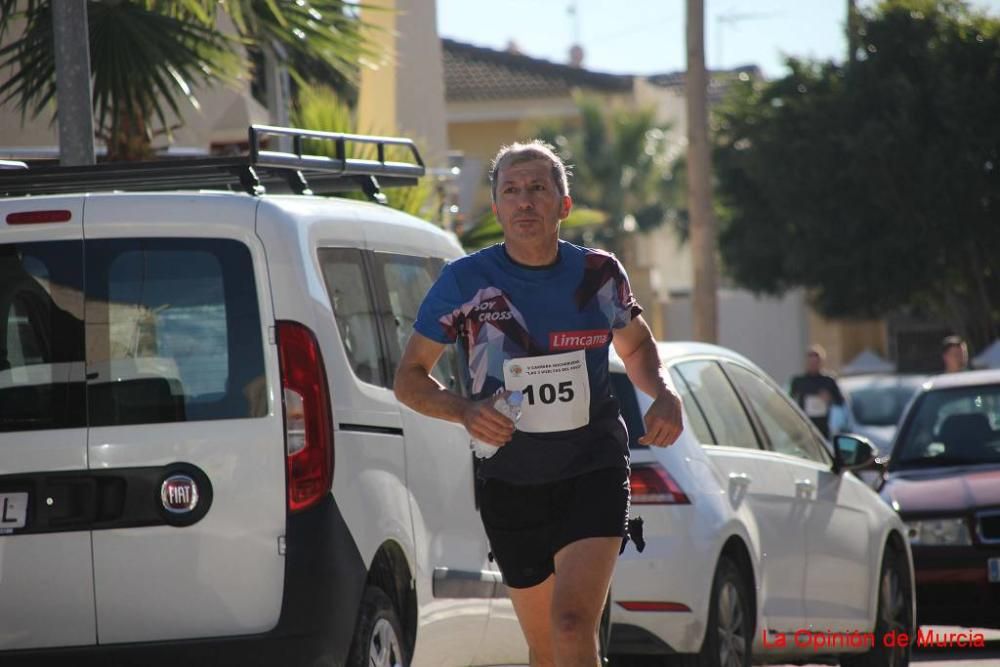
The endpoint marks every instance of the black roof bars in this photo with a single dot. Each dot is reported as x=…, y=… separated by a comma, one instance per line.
x=261, y=170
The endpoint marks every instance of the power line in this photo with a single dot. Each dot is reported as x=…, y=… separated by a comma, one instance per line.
x=734, y=19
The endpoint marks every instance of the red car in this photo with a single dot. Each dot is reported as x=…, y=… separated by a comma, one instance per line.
x=944, y=480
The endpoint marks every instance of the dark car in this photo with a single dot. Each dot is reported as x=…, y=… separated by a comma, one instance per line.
x=944, y=480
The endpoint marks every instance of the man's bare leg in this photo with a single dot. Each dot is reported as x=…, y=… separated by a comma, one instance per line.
x=583, y=576
x=533, y=607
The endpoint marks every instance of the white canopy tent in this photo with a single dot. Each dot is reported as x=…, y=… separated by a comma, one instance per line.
x=868, y=362
x=988, y=358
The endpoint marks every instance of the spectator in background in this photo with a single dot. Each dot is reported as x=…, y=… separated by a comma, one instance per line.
x=954, y=354
x=817, y=392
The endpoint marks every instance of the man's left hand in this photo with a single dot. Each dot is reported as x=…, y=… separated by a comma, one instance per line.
x=663, y=421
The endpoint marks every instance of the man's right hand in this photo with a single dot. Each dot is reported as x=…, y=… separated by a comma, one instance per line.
x=485, y=423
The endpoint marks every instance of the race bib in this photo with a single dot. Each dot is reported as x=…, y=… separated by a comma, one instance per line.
x=556, y=391
x=815, y=406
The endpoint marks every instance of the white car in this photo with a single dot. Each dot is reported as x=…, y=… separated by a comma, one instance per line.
x=875, y=404
x=201, y=457
x=758, y=544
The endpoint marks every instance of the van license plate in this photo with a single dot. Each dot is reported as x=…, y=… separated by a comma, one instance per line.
x=993, y=564
x=13, y=511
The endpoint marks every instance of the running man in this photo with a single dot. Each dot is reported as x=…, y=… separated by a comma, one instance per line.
x=538, y=314
x=818, y=393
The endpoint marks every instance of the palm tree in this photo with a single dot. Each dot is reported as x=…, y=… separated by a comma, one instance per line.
x=148, y=55
x=623, y=166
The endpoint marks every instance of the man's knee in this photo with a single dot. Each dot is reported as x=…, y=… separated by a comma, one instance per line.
x=571, y=624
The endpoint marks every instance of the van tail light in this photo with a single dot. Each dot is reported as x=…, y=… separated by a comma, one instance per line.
x=308, y=423
x=652, y=485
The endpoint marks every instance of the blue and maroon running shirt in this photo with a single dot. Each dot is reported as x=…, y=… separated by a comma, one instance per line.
x=499, y=311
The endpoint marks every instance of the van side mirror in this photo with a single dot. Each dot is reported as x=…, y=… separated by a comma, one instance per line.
x=852, y=452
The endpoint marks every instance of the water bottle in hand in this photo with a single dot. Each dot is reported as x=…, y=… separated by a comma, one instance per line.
x=507, y=404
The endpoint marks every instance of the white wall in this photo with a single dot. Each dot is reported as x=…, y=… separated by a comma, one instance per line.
x=771, y=332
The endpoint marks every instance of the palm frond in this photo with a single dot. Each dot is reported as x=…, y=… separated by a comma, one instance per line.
x=31, y=60
x=144, y=61
x=327, y=37
x=320, y=108
x=12, y=11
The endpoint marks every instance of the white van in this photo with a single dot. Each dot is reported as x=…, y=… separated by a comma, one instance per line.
x=201, y=458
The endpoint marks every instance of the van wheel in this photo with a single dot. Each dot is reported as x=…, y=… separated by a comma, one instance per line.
x=728, y=635
x=895, y=614
x=378, y=638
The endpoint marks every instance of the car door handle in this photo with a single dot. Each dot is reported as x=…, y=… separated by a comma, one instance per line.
x=804, y=485
x=740, y=478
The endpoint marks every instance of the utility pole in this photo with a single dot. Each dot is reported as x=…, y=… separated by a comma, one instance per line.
x=706, y=327
x=853, y=25
x=74, y=108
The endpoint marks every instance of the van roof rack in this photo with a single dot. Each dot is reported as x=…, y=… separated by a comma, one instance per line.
x=261, y=170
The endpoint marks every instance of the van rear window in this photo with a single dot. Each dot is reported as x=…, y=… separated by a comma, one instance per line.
x=169, y=331
x=41, y=336
x=173, y=332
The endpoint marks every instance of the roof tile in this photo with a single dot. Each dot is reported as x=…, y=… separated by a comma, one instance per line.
x=473, y=73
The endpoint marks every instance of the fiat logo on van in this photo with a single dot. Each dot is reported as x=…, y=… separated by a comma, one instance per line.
x=179, y=494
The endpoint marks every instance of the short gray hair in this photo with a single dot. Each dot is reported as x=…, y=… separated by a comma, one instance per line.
x=536, y=149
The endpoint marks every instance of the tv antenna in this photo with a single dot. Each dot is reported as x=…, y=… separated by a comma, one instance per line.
x=731, y=18
x=574, y=14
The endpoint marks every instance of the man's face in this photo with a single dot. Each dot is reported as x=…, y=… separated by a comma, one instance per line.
x=956, y=358
x=528, y=204
x=813, y=362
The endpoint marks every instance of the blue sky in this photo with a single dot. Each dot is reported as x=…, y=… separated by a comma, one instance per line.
x=647, y=36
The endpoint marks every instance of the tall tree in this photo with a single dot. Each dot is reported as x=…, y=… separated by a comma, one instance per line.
x=148, y=55
x=875, y=186
x=703, y=242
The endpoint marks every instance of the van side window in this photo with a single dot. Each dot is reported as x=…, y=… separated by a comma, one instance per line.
x=403, y=281
x=173, y=332
x=354, y=309
x=41, y=336
x=719, y=403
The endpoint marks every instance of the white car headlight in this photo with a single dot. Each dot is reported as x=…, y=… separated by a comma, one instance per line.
x=938, y=532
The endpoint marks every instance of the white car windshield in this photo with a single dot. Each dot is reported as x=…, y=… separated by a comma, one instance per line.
x=880, y=406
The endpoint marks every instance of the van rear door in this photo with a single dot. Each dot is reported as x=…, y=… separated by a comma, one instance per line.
x=46, y=569
x=184, y=408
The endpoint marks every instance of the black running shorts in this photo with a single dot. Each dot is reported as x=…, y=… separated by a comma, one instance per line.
x=528, y=524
